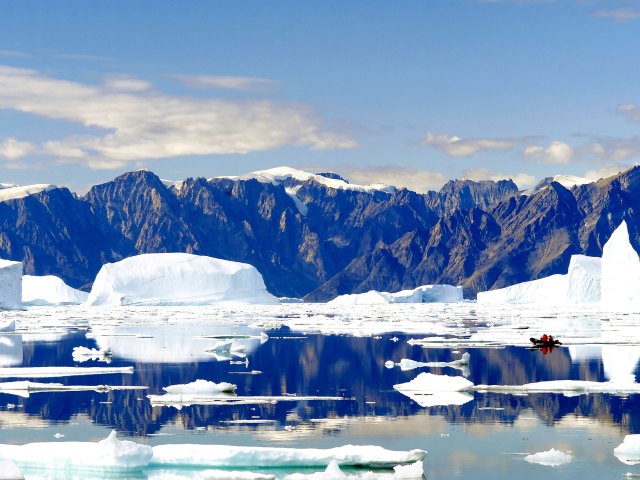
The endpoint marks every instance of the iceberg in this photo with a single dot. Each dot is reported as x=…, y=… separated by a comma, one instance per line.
x=549, y=290
x=620, y=269
x=108, y=455
x=333, y=472
x=550, y=458
x=629, y=450
x=48, y=372
x=82, y=354
x=10, y=287
x=201, y=387
x=584, y=279
x=414, y=470
x=177, y=279
x=10, y=471
x=230, y=456
x=428, y=382
x=49, y=290
x=423, y=294
x=24, y=388
x=8, y=325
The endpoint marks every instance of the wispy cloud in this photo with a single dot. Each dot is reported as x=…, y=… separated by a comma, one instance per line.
x=82, y=57
x=522, y=180
x=606, y=172
x=141, y=125
x=12, y=149
x=630, y=111
x=243, y=84
x=610, y=149
x=15, y=54
x=126, y=83
x=618, y=15
x=555, y=152
x=410, y=178
x=459, y=147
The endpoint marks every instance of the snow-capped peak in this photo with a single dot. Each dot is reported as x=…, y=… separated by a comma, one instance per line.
x=13, y=192
x=567, y=181
x=280, y=174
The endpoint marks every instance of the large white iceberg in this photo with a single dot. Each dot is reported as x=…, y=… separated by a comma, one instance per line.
x=423, y=294
x=177, y=279
x=620, y=269
x=10, y=285
x=108, y=455
x=49, y=290
x=629, y=450
x=229, y=456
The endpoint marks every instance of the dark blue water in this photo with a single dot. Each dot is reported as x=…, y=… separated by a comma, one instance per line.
x=491, y=425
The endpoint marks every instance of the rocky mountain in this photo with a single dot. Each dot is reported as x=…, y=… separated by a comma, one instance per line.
x=318, y=236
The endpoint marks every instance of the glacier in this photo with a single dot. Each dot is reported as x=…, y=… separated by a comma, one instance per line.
x=422, y=294
x=49, y=290
x=177, y=279
x=10, y=286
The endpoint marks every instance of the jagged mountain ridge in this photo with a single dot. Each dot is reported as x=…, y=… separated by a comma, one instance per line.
x=317, y=236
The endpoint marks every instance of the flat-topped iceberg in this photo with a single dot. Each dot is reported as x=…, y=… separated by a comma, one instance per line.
x=49, y=290
x=201, y=387
x=228, y=456
x=423, y=294
x=550, y=458
x=108, y=455
x=177, y=279
x=428, y=382
x=10, y=285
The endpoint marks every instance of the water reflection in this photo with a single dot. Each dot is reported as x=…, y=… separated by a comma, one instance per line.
x=10, y=350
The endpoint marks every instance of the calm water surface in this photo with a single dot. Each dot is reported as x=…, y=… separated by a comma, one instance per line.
x=486, y=437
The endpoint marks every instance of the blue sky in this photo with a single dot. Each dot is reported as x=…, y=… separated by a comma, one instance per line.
x=405, y=92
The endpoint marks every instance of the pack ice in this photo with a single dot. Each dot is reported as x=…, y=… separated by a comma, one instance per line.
x=10, y=285
x=49, y=290
x=613, y=279
x=423, y=294
x=177, y=279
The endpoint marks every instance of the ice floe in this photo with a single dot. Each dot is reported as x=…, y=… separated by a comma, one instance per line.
x=10, y=471
x=10, y=287
x=24, y=387
x=629, y=450
x=428, y=382
x=414, y=470
x=108, y=455
x=177, y=279
x=333, y=472
x=49, y=290
x=423, y=294
x=83, y=354
x=184, y=400
x=406, y=364
x=201, y=387
x=230, y=456
x=49, y=372
x=550, y=458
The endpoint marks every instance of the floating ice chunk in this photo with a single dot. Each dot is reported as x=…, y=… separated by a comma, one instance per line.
x=550, y=458
x=108, y=455
x=414, y=470
x=428, y=382
x=234, y=475
x=10, y=471
x=389, y=364
x=10, y=350
x=24, y=388
x=83, y=354
x=177, y=279
x=201, y=387
x=406, y=364
x=7, y=325
x=179, y=401
x=629, y=450
x=423, y=294
x=620, y=269
x=333, y=472
x=49, y=290
x=228, y=456
x=10, y=287
x=437, y=399
x=49, y=372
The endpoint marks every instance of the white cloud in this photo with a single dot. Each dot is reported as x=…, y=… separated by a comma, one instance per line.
x=618, y=15
x=143, y=125
x=12, y=149
x=555, y=152
x=605, y=172
x=126, y=83
x=611, y=149
x=522, y=180
x=410, y=178
x=458, y=147
x=244, y=84
x=630, y=111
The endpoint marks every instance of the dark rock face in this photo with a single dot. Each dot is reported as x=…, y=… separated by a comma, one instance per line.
x=310, y=240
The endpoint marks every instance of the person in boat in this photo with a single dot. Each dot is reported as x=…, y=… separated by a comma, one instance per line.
x=544, y=338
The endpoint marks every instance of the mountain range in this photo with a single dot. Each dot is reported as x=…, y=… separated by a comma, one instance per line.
x=315, y=236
